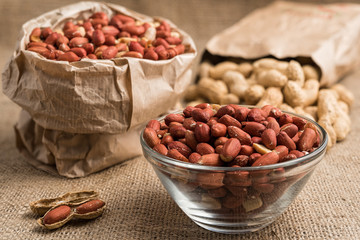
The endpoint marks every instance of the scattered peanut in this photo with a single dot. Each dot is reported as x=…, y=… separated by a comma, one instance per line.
x=270, y=63
x=219, y=70
x=236, y=83
x=75, y=205
x=295, y=95
x=212, y=89
x=228, y=99
x=245, y=69
x=253, y=94
x=271, y=96
x=272, y=78
x=295, y=73
x=310, y=72
x=332, y=114
x=344, y=94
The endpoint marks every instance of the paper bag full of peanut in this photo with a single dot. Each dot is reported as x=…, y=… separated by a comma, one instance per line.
x=103, y=100
x=276, y=55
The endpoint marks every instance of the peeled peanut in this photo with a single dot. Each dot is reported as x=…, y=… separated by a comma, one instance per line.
x=90, y=206
x=307, y=140
x=68, y=56
x=57, y=214
x=80, y=52
x=269, y=138
x=151, y=54
x=151, y=137
x=109, y=52
x=150, y=33
x=231, y=150
x=209, y=202
x=261, y=148
x=35, y=35
x=41, y=50
x=133, y=54
x=252, y=203
x=120, y=31
x=267, y=159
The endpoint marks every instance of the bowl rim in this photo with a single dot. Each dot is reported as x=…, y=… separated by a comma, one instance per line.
x=191, y=166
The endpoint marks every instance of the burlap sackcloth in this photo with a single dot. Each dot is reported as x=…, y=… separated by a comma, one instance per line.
x=138, y=207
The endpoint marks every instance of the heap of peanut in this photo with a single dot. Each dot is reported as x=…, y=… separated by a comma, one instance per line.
x=101, y=38
x=286, y=85
x=232, y=135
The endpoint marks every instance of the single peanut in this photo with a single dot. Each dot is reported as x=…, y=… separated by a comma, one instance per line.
x=90, y=206
x=57, y=214
x=231, y=150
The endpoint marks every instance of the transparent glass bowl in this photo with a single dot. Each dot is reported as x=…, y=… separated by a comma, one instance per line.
x=235, y=199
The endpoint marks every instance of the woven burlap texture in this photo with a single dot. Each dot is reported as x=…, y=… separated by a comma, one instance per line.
x=138, y=207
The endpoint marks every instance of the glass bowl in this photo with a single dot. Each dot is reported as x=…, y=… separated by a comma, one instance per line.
x=235, y=199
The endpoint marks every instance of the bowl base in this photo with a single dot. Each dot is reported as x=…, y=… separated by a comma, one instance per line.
x=240, y=228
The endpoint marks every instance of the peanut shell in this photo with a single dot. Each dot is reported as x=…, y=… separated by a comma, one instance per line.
x=73, y=215
x=41, y=206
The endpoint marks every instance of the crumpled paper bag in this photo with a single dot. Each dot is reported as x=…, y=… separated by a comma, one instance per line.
x=325, y=34
x=93, y=96
x=82, y=117
x=73, y=154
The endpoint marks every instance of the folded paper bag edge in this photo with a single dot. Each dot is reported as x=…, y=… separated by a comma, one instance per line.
x=333, y=18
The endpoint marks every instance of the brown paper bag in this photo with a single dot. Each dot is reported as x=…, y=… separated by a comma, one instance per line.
x=72, y=154
x=82, y=117
x=326, y=34
x=93, y=96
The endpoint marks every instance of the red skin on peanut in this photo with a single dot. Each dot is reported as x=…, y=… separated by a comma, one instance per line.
x=57, y=214
x=218, y=130
x=205, y=132
x=99, y=30
x=90, y=206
